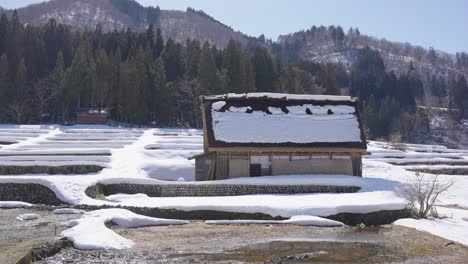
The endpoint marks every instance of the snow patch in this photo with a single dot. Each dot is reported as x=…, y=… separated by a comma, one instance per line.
x=218, y=105
x=27, y=217
x=91, y=233
x=302, y=220
x=452, y=229
x=13, y=204
x=68, y=211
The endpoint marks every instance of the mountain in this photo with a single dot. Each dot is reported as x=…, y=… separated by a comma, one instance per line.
x=122, y=14
x=321, y=44
x=331, y=44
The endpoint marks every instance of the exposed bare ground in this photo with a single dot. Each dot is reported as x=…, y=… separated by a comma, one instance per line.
x=202, y=243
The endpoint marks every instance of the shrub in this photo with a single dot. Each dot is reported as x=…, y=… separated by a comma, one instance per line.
x=424, y=192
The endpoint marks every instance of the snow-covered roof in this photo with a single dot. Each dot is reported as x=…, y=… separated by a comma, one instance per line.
x=282, y=120
x=316, y=97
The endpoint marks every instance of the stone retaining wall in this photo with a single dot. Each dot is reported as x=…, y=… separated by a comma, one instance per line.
x=374, y=218
x=175, y=190
x=68, y=169
x=28, y=192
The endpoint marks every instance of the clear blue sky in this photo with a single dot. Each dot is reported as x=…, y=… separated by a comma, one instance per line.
x=442, y=24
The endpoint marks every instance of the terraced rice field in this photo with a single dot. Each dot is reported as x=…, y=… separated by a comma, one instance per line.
x=421, y=158
x=170, y=152
x=9, y=136
x=61, y=150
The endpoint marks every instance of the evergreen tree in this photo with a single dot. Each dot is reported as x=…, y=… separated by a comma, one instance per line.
x=51, y=43
x=438, y=86
x=459, y=95
x=5, y=84
x=159, y=44
x=162, y=106
x=3, y=32
x=208, y=73
x=141, y=87
x=21, y=80
x=150, y=37
x=239, y=69
x=248, y=74
x=431, y=55
x=264, y=71
x=340, y=36
x=81, y=79
x=57, y=86
x=369, y=116
x=328, y=80
x=232, y=61
x=173, y=60
x=192, y=58
x=103, y=80
x=388, y=86
x=366, y=73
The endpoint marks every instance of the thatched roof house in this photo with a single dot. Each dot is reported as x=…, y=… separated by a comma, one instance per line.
x=277, y=134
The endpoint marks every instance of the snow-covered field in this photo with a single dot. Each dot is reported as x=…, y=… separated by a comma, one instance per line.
x=155, y=156
x=452, y=205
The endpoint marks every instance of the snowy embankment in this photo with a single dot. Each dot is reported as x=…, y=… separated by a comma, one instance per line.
x=91, y=232
x=274, y=205
x=452, y=205
x=338, y=180
x=454, y=225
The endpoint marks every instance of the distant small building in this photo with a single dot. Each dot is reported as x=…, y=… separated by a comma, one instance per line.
x=92, y=116
x=260, y=134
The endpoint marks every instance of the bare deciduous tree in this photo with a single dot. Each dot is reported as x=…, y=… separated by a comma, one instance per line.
x=42, y=95
x=424, y=192
x=18, y=109
x=396, y=142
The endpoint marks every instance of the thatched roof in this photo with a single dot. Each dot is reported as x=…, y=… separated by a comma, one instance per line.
x=282, y=120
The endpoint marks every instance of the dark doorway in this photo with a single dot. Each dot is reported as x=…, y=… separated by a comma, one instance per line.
x=255, y=170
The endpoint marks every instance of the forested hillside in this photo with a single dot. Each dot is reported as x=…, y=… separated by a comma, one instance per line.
x=436, y=69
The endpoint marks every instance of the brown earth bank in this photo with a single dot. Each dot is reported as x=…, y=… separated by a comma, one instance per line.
x=18, y=238
x=202, y=243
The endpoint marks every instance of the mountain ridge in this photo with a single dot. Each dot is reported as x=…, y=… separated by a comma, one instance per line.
x=122, y=14
x=319, y=44
x=25, y=14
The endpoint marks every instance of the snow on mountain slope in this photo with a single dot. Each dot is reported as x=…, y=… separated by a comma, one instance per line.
x=122, y=14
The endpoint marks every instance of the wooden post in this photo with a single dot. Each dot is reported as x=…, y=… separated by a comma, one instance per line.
x=205, y=128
